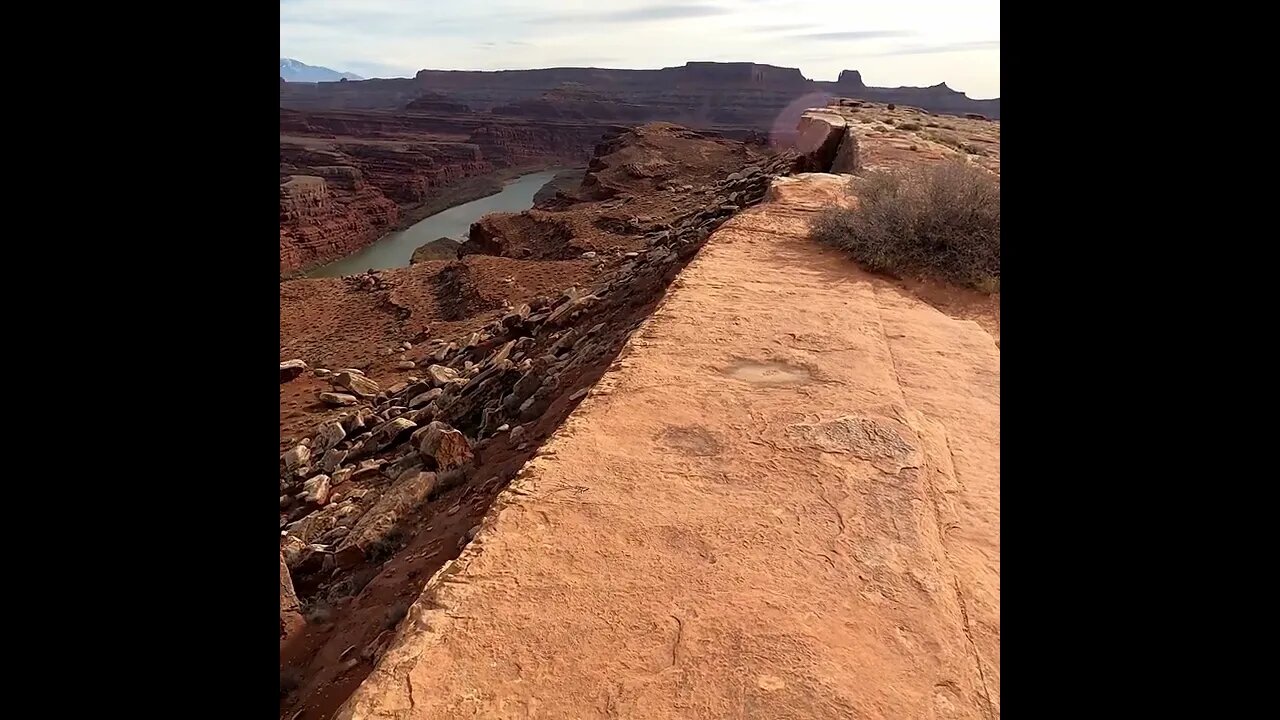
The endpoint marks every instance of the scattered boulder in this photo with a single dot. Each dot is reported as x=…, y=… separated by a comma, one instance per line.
x=387, y=433
x=332, y=460
x=440, y=375
x=422, y=399
x=316, y=490
x=327, y=436
x=376, y=528
x=290, y=369
x=296, y=458
x=334, y=399
x=290, y=607
x=358, y=384
x=820, y=135
x=441, y=444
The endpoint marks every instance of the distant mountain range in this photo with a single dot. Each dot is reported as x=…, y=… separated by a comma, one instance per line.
x=297, y=71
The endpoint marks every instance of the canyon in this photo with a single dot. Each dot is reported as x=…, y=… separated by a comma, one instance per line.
x=359, y=159
x=625, y=414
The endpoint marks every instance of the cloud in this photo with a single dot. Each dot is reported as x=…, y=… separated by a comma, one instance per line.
x=634, y=15
x=944, y=48
x=379, y=38
x=782, y=28
x=855, y=35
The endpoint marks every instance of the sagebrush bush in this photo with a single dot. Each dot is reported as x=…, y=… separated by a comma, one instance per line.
x=941, y=220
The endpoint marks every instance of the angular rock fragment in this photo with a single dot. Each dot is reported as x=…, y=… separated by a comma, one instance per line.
x=407, y=496
x=440, y=375
x=443, y=446
x=328, y=435
x=387, y=433
x=359, y=385
x=316, y=490
x=422, y=399
x=296, y=458
x=332, y=459
x=334, y=399
x=290, y=369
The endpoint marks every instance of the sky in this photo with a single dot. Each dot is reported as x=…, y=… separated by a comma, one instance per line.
x=906, y=42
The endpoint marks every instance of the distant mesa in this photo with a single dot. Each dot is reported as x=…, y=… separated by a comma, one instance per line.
x=297, y=71
x=435, y=102
x=734, y=95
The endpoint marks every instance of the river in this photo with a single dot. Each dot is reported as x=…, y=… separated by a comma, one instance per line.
x=394, y=249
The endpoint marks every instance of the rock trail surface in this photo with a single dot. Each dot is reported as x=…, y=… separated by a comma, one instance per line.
x=782, y=501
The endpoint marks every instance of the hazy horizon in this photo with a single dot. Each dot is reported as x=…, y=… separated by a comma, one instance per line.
x=915, y=42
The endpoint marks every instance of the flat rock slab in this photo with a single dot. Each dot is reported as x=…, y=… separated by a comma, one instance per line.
x=783, y=503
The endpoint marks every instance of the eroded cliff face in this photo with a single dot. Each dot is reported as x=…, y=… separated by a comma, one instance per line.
x=327, y=211
x=347, y=178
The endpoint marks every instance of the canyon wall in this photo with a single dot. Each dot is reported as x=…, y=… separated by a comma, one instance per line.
x=361, y=158
x=347, y=178
x=701, y=94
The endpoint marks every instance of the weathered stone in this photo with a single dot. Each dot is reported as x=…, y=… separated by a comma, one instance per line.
x=504, y=427
x=440, y=375
x=332, y=459
x=290, y=369
x=359, y=385
x=579, y=394
x=848, y=157
x=292, y=548
x=366, y=469
x=516, y=433
x=589, y=255
x=290, y=608
x=337, y=399
x=340, y=476
x=444, y=446
x=296, y=458
x=503, y=353
x=492, y=372
x=317, y=490
x=516, y=317
x=387, y=433
x=321, y=373
x=820, y=135
x=423, y=398
x=335, y=535
x=411, y=461
x=327, y=436
x=376, y=525
x=360, y=420
x=444, y=352
x=406, y=365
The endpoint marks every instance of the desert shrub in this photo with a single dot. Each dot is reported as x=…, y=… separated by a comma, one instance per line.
x=942, y=221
